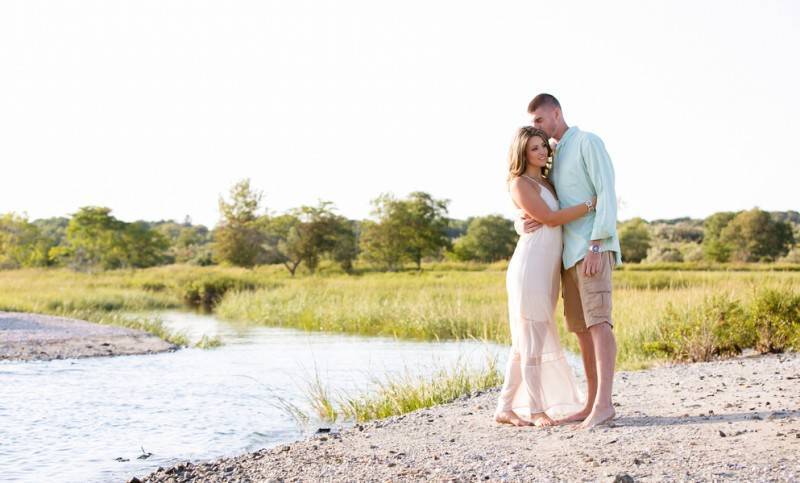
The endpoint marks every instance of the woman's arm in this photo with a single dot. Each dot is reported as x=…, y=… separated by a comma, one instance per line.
x=532, y=203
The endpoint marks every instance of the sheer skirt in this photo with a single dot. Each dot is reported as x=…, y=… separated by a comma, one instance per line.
x=538, y=377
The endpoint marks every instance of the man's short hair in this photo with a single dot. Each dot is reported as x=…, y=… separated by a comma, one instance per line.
x=543, y=100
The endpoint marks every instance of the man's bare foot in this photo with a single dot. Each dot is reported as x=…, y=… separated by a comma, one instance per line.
x=599, y=416
x=510, y=417
x=574, y=418
x=542, y=420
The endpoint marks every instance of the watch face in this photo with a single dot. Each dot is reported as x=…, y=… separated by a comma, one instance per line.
x=595, y=248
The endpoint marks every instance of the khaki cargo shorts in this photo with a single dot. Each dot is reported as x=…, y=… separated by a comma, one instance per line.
x=587, y=300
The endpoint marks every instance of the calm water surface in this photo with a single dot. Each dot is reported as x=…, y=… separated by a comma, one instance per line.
x=71, y=420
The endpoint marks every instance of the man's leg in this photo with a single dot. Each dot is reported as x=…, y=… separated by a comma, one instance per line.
x=605, y=348
x=597, y=303
x=573, y=313
x=590, y=368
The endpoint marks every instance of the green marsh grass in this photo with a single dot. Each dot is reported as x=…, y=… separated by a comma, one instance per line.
x=404, y=393
x=446, y=300
x=461, y=304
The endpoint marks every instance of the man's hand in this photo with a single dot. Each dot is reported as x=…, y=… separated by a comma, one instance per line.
x=524, y=224
x=592, y=263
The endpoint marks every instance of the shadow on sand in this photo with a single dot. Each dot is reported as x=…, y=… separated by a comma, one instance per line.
x=633, y=421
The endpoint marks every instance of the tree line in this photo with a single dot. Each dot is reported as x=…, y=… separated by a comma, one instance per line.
x=401, y=231
x=746, y=236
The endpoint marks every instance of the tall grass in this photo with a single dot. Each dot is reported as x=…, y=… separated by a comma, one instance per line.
x=444, y=301
x=404, y=393
x=105, y=298
x=428, y=305
x=460, y=305
x=64, y=291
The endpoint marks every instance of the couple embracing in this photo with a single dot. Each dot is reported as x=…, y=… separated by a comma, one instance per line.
x=568, y=241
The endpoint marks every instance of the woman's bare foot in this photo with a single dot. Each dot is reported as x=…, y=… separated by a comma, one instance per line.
x=510, y=417
x=597, y=417
x=542, y=420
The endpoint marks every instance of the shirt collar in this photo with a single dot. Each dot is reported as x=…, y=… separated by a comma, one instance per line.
x=569, y=133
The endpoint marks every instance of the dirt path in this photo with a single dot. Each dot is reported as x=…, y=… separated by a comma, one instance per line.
x=730, y=420
x=44, y=337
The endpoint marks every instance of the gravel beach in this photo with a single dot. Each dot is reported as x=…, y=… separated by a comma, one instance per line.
x=43, y=337
x=735, y=420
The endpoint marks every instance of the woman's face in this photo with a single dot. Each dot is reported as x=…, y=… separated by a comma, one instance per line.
x=536, y=152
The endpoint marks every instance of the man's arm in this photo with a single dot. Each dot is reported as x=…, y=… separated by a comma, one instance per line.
x=524, y=224
x=601, y=175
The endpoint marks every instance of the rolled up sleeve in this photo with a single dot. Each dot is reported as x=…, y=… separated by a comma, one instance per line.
x=601, y=175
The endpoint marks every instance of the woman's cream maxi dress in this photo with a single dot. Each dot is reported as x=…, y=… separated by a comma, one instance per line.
x=537, y=376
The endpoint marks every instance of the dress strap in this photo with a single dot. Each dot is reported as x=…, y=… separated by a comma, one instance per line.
x=540, y=184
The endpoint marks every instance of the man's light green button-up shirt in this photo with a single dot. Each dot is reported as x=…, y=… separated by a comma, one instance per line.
x=582, y=169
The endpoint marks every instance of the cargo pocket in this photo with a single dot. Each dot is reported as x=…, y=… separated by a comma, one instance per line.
x=599, y=304
x=598, y=294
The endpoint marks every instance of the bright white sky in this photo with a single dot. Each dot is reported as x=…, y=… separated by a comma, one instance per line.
x=156, y=107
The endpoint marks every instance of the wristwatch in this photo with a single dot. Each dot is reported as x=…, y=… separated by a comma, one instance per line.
x=594, y=248
x=589, y=205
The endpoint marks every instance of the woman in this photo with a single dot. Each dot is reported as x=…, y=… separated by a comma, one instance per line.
x=537, y=377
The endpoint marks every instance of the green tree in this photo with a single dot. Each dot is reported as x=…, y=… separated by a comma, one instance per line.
x=93, y=240
x=306, y=234
x=53, y=233
x=345, y=247
x=381, y=245
x=188, y=243
x=238, y=239
x=634, y=239
x=664, y=252
x=457, y=228
x=281, y=241
x=426, y=226
x=143, y=246
x=407, y=229
x=96, y=239
x=21, y=244
x=487, y=239
x=714, y=248
x=755, y=236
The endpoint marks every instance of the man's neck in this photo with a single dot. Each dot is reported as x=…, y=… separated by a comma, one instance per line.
x=560, y=132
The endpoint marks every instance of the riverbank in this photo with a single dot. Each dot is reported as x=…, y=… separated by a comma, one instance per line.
x=28, y=337
x=736, y=419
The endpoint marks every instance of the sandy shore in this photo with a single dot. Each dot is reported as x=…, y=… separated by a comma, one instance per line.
x=44, y=337
x=729, y=420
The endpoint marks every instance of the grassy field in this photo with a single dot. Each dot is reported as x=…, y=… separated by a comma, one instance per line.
x=653, y=308
x=458, y=305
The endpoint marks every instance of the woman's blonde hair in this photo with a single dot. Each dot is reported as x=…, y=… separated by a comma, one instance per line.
x=517, y=157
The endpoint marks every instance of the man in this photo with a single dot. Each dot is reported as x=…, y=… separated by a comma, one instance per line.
x=582, y=169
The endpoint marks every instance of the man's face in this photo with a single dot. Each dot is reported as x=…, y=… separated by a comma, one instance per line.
x=546, y=119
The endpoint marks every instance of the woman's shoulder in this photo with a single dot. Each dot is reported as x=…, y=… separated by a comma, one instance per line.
x=520, y=182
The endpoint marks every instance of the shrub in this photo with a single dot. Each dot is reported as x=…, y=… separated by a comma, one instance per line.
x=775, y=316
x=718, y=327
x=206, y=292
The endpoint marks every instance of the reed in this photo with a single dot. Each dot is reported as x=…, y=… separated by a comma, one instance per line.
x=404, y=393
